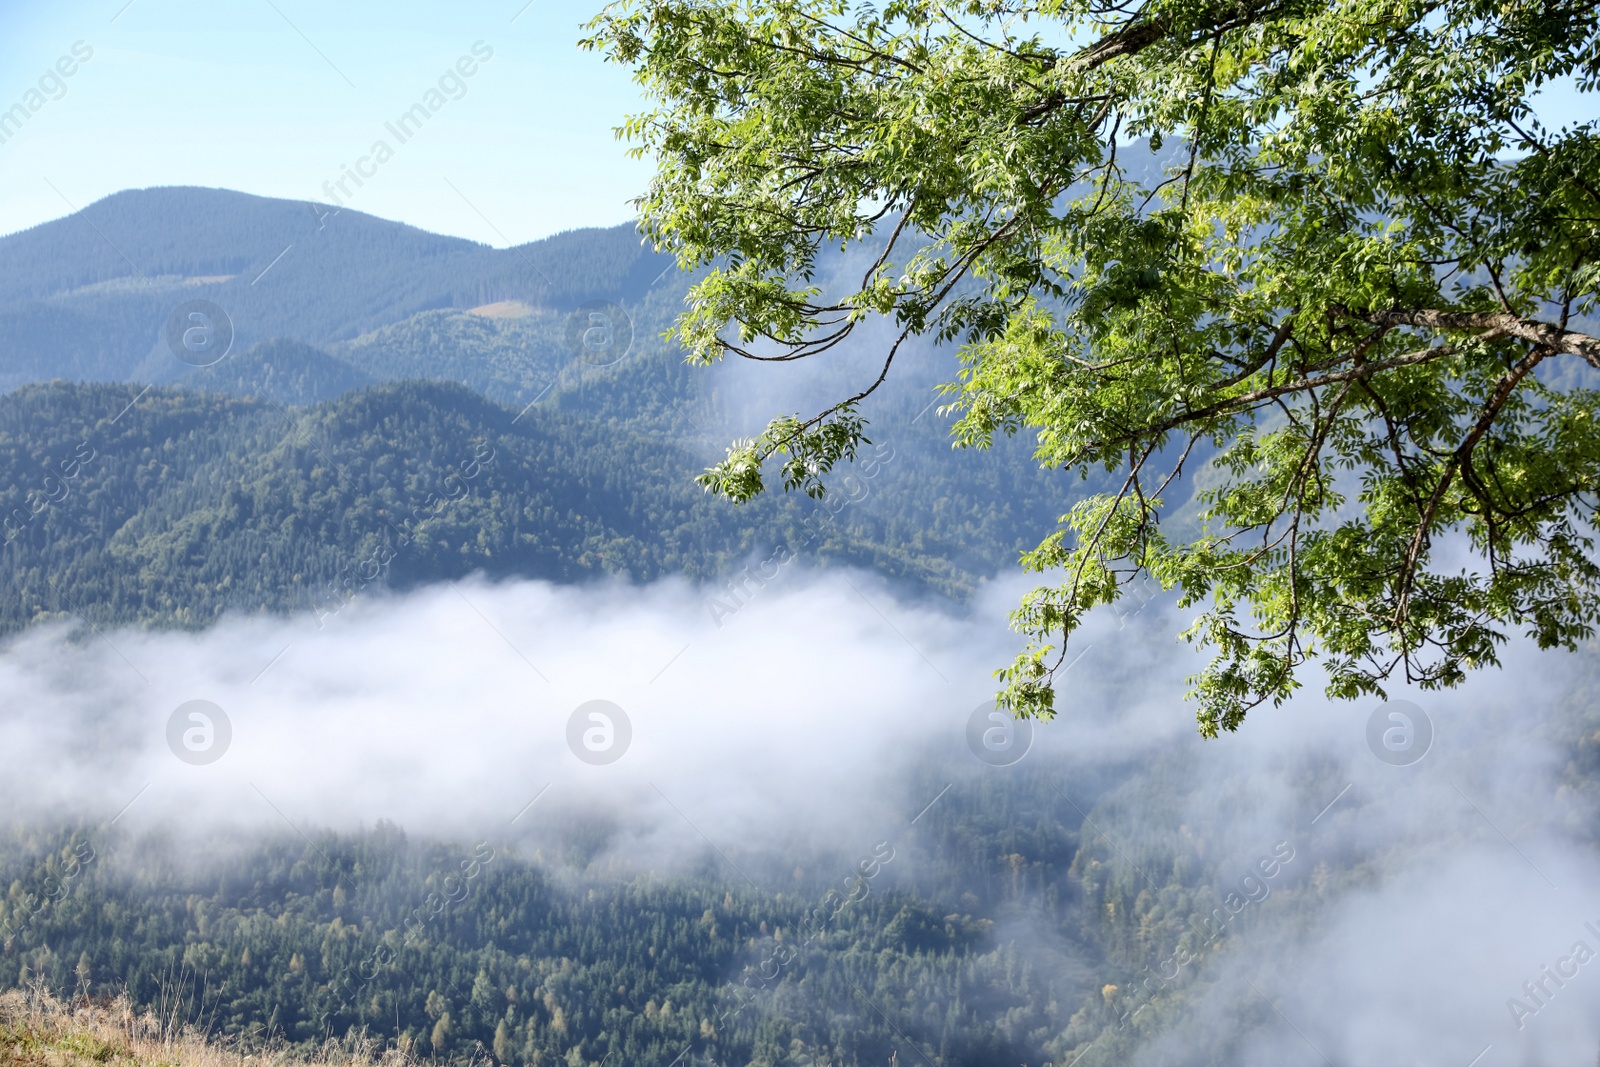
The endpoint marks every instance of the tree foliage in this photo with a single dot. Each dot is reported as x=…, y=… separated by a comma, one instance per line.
x=1327, y=251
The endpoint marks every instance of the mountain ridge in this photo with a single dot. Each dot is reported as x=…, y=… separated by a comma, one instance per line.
x=275, y=267
x=242, y=476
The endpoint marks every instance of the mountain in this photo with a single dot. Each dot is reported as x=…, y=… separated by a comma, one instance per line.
x=169, y=506
x=88, y=296
x=350, y=365
x=282, y=370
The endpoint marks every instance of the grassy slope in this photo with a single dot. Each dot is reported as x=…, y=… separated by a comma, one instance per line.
x=38, y=1029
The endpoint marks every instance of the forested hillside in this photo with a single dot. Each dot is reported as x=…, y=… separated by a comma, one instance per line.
x=374, y=425
x=86, y=297
x=161, y=505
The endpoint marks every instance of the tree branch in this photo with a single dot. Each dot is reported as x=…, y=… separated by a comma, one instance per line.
x=1504, y=324
x=1460, y=457
x=1229, y=406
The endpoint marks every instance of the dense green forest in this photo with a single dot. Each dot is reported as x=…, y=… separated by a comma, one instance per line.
x=188, y=504
x=161, y=505
x=1021, y=919
x=551, y=957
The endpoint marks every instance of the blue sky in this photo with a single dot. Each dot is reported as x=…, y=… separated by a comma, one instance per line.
x=276, y=97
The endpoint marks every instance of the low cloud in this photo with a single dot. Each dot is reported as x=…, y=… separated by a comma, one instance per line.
x=447, y=709
x=1419, y=901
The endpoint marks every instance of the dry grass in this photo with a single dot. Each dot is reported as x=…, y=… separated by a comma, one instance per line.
x=38, y=1029
x=503, y=309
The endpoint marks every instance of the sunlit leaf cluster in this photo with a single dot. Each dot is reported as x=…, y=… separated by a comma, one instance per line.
x=1314, y=280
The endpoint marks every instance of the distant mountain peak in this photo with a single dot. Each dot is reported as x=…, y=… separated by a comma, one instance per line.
x=88, y=296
